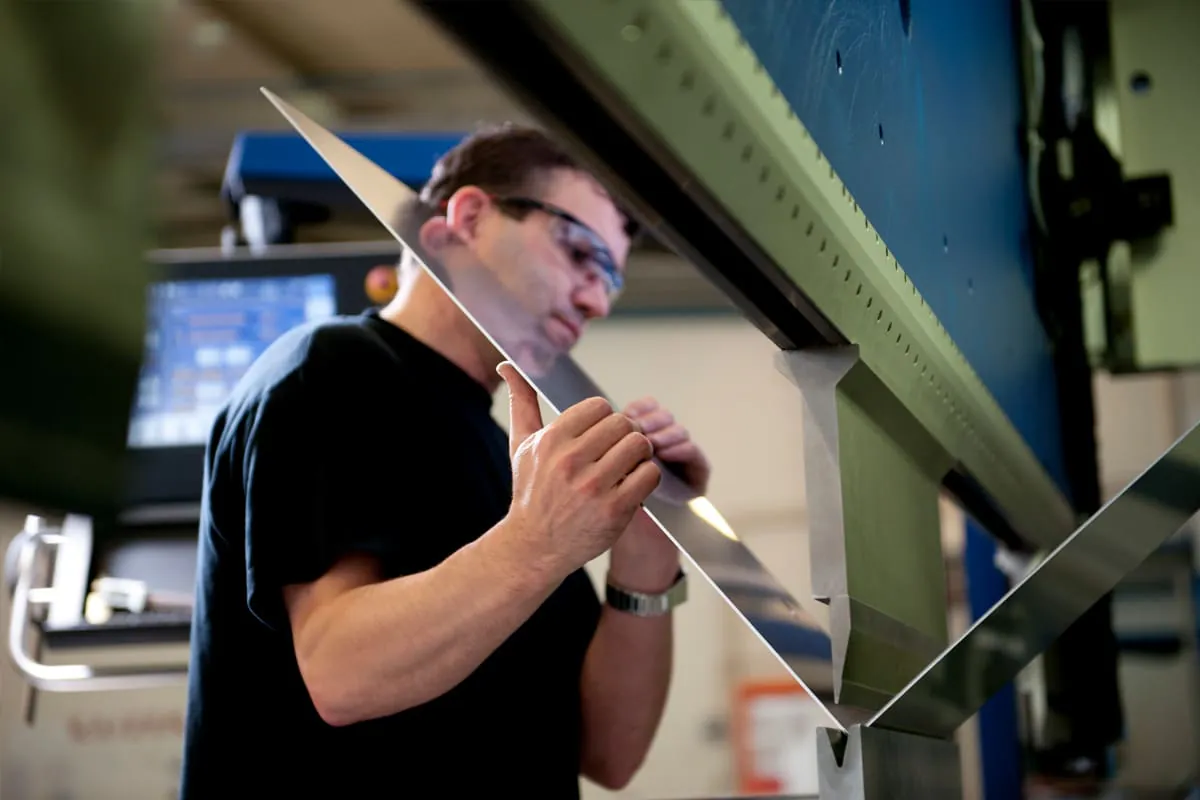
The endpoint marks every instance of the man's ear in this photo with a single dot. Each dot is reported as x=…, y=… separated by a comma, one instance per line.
x=464, y=212
x=435, y=235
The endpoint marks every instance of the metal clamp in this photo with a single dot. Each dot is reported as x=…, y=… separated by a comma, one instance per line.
x=20, y=560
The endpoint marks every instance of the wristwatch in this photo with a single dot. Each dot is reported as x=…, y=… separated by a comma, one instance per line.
x=641, y=604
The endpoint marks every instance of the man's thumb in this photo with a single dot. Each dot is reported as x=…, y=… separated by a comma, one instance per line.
x=524, y=413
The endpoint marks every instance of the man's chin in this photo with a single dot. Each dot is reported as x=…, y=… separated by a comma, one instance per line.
x=537, y=360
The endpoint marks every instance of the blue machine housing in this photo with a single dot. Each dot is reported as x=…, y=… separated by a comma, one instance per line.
x=283, y=167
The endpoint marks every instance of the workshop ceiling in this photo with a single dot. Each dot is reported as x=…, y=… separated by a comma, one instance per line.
x=359, y=65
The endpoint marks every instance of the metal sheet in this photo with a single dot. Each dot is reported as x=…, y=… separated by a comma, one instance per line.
x=692, y=522
x=1089, y=564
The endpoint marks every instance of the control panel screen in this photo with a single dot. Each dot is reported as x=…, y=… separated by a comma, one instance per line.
x=201, y=336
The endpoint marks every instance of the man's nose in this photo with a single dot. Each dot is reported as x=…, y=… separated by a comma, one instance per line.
x=592, y=300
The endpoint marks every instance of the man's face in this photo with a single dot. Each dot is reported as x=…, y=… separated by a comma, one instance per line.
x=544, y=264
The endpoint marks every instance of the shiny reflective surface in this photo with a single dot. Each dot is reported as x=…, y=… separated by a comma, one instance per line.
x=1057, y=592
x=875, y=764
x=691, y=521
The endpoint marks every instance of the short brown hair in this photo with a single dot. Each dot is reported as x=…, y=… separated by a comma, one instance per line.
x=506, y=159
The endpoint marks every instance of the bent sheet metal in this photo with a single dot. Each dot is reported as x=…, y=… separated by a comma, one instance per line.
x=1067, y=582
x=691, y=521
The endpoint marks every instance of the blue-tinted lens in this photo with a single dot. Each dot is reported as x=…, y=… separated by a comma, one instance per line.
x=588, y=249
x=583, y=245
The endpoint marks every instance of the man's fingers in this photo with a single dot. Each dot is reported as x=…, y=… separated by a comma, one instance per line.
x=524, y=413
x=668, y=437
x=641, y=483
x=582, y=416
x=677, y=454
x=603, y=436
x=641, y=406
x=624, y=457
x=653, y=420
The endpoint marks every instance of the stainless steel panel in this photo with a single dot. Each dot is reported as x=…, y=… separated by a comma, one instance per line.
x=1085, y=567
x=692, y=522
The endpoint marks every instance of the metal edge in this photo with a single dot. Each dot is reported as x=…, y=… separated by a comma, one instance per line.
x=1059, y=590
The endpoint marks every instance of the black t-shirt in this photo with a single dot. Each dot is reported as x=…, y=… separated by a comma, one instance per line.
x=352, y=436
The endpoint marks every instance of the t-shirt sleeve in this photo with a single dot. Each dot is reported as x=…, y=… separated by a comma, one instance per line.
x=309, y=500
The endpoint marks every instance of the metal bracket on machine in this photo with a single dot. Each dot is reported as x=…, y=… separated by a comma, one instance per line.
x=875, y=764
x=872, y=475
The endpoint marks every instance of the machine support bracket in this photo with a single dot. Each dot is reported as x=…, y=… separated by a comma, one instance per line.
x=877, y=764
x=872, y=475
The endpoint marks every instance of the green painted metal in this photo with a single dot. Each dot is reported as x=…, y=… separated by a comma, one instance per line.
x=872, y=478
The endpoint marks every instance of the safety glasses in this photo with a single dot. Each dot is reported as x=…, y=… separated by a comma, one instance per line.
x=583, y=246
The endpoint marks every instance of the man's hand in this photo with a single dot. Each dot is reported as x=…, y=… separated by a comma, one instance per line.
x=578, y=481
x=628, y=667
x=644, y=559
x=673, y=445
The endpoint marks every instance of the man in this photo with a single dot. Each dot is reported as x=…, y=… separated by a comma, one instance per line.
x=390, y=598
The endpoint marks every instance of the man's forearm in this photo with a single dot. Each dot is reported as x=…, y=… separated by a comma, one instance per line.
x=626, y=676
x=384, y=647
x=627, y=670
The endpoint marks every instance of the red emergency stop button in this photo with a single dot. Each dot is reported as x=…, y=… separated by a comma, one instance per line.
x=380, y=284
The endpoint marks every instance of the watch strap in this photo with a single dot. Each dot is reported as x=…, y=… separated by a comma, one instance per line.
x=641, y=604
